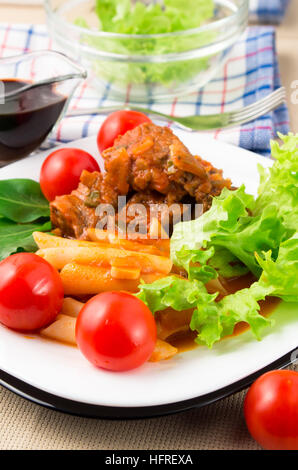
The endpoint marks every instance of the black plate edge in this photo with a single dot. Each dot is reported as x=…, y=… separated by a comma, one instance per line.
x=85, y=410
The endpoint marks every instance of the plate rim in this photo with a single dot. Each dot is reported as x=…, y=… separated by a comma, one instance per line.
x=86, y=410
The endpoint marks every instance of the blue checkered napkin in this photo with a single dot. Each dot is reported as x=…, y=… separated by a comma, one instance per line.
x=250, y=73
x=268, y=11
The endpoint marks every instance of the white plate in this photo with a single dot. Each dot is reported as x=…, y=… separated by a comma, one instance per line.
x=59, y=376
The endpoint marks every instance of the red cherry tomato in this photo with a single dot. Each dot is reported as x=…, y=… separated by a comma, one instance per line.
x=116, y=331
x=118, y=123
x=271, y=410
x=31, y=292
x=61, y=171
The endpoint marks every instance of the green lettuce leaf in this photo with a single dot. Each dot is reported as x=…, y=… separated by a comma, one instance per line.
x=225, y=263
x=228, y=225
x=175, y=292
x=190, y=237
x=279, y=184
x=282, y=275
x=212, y=320
x=127, y=17
x=237, y=226
x=218, y=319
x=279, y=278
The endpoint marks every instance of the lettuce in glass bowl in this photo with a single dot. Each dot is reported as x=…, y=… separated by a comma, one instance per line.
x=147, y=50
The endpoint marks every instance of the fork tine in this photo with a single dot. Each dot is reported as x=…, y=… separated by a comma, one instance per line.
x=279, y=92
x=258, y=112
x=262, y=109
x=258, y=104
x=277, y=96
x=266, y=106
x=203, y=122
x=253, y=116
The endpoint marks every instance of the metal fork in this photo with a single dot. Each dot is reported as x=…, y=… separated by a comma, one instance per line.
x=203, y=122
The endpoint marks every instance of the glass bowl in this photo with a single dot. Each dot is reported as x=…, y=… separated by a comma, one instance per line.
x=124, y=66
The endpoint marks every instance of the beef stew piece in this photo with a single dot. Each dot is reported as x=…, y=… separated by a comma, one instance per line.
x=148, y=164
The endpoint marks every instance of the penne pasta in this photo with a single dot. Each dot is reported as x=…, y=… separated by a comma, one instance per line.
x=104, y=239
x=125, y=273
x=81, y=279
x=45, y=240
x=62, y=329
x=97, y=235
x=151, y=277
x=162, y=351
x=101, y=256
x=160, y=244
x=71, y=307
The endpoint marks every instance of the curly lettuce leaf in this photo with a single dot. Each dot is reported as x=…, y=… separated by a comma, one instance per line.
x=127, y=17
x=218, y=319
x=282, y=275
x=190, y=237
x=212, y=320
x=279, y=184
x=279, y=278
x=237, y=226
x=228, y=225
x=225, y=263
x=175, y=292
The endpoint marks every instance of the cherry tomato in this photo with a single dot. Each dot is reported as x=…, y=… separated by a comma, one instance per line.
x=116, y=331
x=118, y=123
x=31, y=292
x=271, y=410
x=61, y=171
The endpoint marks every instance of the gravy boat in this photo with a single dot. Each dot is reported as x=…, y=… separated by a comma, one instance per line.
x=35, y=90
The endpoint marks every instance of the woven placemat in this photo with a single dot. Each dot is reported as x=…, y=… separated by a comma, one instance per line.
x=26, y=426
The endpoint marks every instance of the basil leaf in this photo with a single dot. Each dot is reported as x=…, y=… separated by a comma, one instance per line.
x=21, y=200
x=18, y=237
